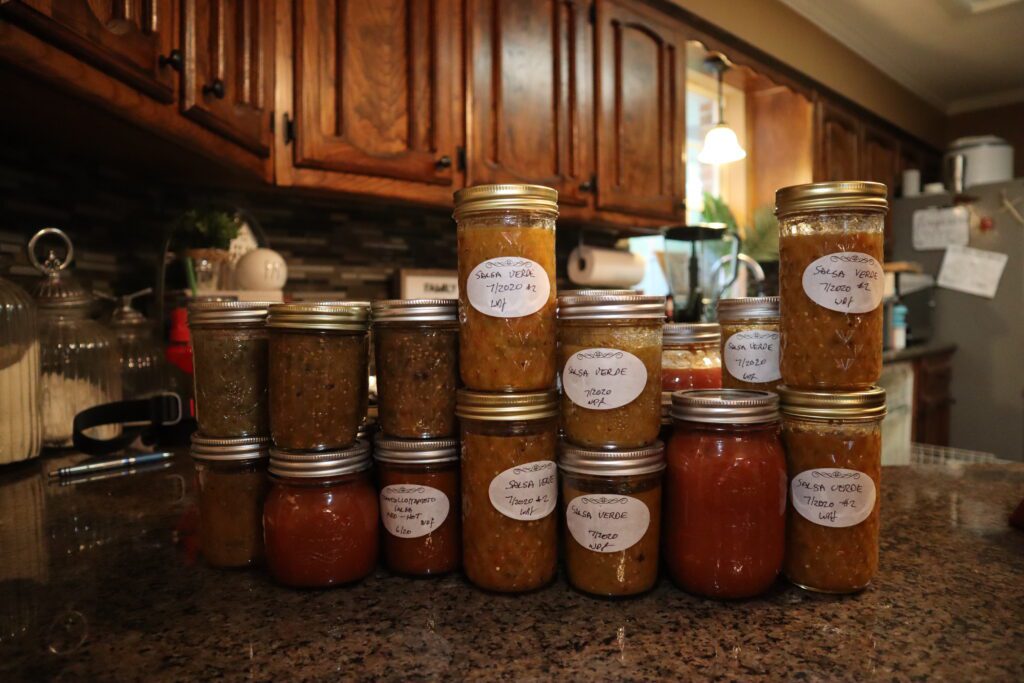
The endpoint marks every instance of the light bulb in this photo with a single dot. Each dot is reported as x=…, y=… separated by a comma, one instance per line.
x=721, y=146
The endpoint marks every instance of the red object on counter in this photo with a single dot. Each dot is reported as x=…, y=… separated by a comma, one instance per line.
x=679, y=379
x=179, y=348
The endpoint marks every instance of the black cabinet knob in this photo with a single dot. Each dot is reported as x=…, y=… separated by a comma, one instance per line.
x=175, y=60
x=444, y=162
x=216, y=89
x=587, y=186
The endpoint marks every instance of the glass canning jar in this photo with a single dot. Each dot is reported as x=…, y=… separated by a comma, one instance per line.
x=725, y=491
x=140, y=357
x=834, y=452
x=417, y=359
x=419, y=504
x=318, y=373
x=21, y=427
x=506, y=249
x=509, y=489
x=750, y=342
x=320, y=519
x=690, y=357
x=231, y=480
x=611, y=500
x=609, y=352
x=831, y=238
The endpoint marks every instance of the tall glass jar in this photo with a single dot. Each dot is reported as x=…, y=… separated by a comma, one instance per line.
x=506, y=247
x=691, y=358
x=143, y=371
x=509, y=489
x=78, y=355
x=319, y=373
x=609, y=352
x=750, y=342
x=417, y=360
x=611, y=501
x=831, y=284
x=834, y=452
x=21, y=428
x=229, y=345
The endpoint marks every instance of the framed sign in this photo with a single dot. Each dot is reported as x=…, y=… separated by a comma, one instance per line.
x=428, y=284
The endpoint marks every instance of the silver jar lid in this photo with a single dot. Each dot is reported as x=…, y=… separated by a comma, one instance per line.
x=415, y=451
x=624, y=462
x=347, y=316
x=610, y=306
x=748, y=308
x=725, y=406
x=227, y=312
x=57, y=289
x=596, y=292
x=506, y=406
x=208, y=448
x=318, y=464
x=691, y=333
x=415, y=310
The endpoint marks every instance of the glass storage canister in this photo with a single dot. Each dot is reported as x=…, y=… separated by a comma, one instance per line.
x=416, y=342
x=78, y=355
x=834, y=453
x=750, y=342
x=319, y=373
x=419, y=504
x=612, y=504
x=21, y=426
x=140, y=357
x=690, y=357
x=231, y=480
x=506, y=249
x=609, y=352
x=725, y=491
x=320, y=519
x=831, y=284
x=509, y=488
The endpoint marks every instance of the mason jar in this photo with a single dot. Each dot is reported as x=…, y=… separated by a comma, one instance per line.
x=691, y=358
x=750, y=342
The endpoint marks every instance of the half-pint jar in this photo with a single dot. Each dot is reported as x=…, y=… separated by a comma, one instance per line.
x=691, y=358
x=750, y=342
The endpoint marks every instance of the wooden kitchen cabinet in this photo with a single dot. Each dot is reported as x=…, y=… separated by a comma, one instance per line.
x=837, y=144
x=933, y=400
x=880, y=162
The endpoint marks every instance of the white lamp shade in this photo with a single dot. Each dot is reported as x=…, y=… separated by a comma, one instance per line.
x=721, y=146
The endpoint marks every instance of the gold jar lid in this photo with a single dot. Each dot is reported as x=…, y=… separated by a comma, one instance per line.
x=748, y=308
x=859, y=195
x=678, y=334
x=415, y=451
x=484, y=198
x=600, y=306
x=415, y=310
x=312, y=464
x=725, y=406
x=849, y=406
x=208, y=448
x=348, y=316
x=506, y=407
x=209, y=312
x=625, y=462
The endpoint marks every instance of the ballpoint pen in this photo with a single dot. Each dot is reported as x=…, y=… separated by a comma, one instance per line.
x=116, y=464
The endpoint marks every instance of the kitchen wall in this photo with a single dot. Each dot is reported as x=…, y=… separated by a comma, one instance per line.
x=1006, y=121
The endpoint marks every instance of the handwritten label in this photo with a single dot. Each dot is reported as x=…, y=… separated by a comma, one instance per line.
x=602, y=379
x=607, y=523
x=935, y=228
x=527, y=491
x=411, y=511
x=753, y=356
x=508, y=287
x=832, y=496
x=846, y=281
x=973, y=271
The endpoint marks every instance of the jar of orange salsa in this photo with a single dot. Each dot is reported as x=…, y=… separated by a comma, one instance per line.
x=750, y=342
x=690, y=356
x=834, y=452
x=320, y=518
x=725, y=491
x=831, y=284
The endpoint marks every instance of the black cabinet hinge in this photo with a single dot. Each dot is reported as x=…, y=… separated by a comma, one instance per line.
x=593, y=13
x=273, y=118
x=460, y=158
x=289, y=128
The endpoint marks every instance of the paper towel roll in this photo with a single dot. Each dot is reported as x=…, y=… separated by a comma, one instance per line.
x=605, y=267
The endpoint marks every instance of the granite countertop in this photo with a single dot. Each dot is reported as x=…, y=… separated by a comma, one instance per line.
x=100, y=581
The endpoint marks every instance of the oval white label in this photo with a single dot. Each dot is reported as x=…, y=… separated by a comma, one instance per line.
x=753, y=356
x=607, y=523
x=411, y=511
x=602, y=379
x=832, y=496
x=508, y=287
x=527, y=491
x=846, y=281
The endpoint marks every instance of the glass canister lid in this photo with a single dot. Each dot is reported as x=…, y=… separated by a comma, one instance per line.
x=507, y=406
x=748, y=308
x=316, y=464
x=678, y=334
x=229, y=450
x=351, y=316
x=612, y=462
x=57, y=289
x=415, y=310
x=847, y=406
x=415, y=451
x=725, y=406
x=851, y=195
x=505, y=197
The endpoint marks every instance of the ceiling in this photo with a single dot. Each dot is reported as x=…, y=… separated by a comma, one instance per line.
x=959, y=55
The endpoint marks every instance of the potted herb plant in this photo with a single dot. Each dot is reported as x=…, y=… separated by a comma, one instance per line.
x=202, y=239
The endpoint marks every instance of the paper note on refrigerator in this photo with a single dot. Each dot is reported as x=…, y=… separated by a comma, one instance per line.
x=936, y=228
x=974, y=271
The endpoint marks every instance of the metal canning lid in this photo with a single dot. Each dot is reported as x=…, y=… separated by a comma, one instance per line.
x=595, y=292
x=601, y=306
x=227, y=312
x=859, y=195
x=315, y=464
x=484, y=198
x=613, y=462
x=725, y=406
x=506, y=407
x=348, y=316
x=212, y=449
x=415, y=310
x=748, y=308
x=666, y=407
x=855, y=406
x=675, y=334
x=415, y=451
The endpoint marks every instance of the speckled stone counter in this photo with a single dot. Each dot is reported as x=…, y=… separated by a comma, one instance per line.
x=100, y=581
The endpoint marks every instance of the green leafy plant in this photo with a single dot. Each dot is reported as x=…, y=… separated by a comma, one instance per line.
x=205, y=229
x=717, y=211
x=760, y=240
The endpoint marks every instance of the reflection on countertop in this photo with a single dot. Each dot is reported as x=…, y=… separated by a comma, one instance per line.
x=101, y=580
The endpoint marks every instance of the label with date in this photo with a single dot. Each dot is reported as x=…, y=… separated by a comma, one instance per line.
x=607, y=523
x=527, y=491
x=602, y=379
x=411, y=511
x=508, y=287
x=752, y=356
x=846, y=281
x=832, y=496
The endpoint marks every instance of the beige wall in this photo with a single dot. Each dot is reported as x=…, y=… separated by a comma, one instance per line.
x=1006, y=121
x=774, y=28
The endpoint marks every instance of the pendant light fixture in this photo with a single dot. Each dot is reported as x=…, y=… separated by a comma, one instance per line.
x=721, y=145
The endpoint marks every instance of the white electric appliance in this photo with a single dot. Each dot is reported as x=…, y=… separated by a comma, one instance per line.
x=977, y=160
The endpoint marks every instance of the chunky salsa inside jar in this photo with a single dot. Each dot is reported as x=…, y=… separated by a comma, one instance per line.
x=750, y=355
x=417, y=375
x=421, y=515
x=696, y=366
x=231, y=380
x=231, y=511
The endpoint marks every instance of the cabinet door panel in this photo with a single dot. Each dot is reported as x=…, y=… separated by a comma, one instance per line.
x=838, y=143
x=880, y=157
